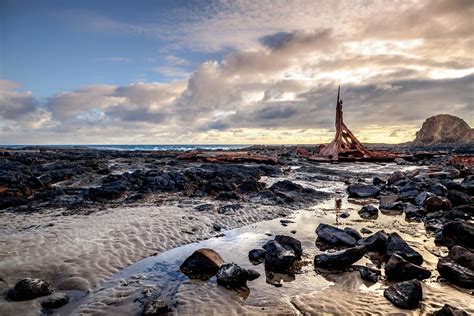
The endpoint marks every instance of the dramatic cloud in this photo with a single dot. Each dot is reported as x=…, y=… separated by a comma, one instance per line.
x=273, y=76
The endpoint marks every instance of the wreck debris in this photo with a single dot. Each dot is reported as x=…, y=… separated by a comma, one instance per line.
x=345, y=146
x=227, y=157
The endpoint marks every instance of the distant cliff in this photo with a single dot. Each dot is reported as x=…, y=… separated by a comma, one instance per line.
x=444, y=129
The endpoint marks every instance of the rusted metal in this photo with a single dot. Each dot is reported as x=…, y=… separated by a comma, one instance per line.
x=227, y=157
x=462, y=160
x=345, y=146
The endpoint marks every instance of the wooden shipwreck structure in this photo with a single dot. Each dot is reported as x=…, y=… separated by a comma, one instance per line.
x=345, y=146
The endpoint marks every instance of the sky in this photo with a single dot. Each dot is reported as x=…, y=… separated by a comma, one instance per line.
x=230, y=72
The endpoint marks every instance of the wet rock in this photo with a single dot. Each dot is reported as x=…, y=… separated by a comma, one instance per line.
x=459, y=198
x=375, y=242
x=396, y=245
x=449, y=310
x=390, y=202
x=438, y=189
x=344, y=215
x=55, y=300
x=365, y=230
x=408, y=196
x=202, y=264
x=229, y=208
x=468, y=209
x=277, y=257
x=359, y=190
x=369, y=274
x=467, y=185
x=286, y=185
x=251, y=185
x=462, y=256
x=252, y=274
x=232, y=276
x=436, y=203
x=378, y=181
x=369, y=212
x=395, y=177
x=334, y=236
x=398, y=269
x=290, y=243
x=155, y=307
x=256, y=256
x=340, y=260
x=458, y=232
x=414, y=212
x=405, y=295
x=456, y=214
x=28, y=289
x=207, y=207
x=226, y=196
x=352, y=232
x=456, y=273
x=422, y=197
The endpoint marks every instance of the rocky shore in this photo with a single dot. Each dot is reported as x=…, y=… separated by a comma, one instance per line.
x=149, y=202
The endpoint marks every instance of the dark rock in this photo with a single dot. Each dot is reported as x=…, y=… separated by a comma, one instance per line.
x=438, y=189
x=28, y=289
x=232, y=276
x=277, y=257
x=202, y=264
x=462, y=256
x=352, y=232
x=459, y=198
x=408, y=196
x=436, y=203
x=467, y=185
x=378, y=181
x=449, y=310
x=455, y=273
x=468, y=209
x=422, y=197
x=369, y=212
x=458, y=232
x=365, y=230
x=390, y=202
x=256, y=256
x=252, y=274
x=369, y=274
x=290, y=243
x=359, y=190
x=229, y=208
x=395, y=177
x=344, y=215
x=225, y=196
x=55, y=300
x=341, y=260
x=375, y=242
x=155, y=307
x=207, y=207
x=405, y=295
x=456, y=214
x=334, y=236
x=251, y=185
x=398, y=269
x=414, y=212
x=286, y=185
x=396, y=245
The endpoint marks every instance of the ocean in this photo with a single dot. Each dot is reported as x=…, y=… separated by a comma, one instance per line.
x=135, y=147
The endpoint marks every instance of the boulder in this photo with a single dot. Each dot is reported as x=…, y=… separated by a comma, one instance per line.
x=396, y=245
x=444, y=129
x=458, y=232
x=378, y=181
x=405, y=295
x=256, y=256
x=202, y=264
x=398, y=269
x=459, y=198
x=462, y=256
x=436, y=203
x=232, y=276
x=334, y=236
x=28, y=289
x=390, y=202
x=376, y=242
x=395, y=177
x=340, y=260
x=277, y=257
x=369, y=212
x=55, y=300
x=359, y=190
x=290, y=243
x=449, y=310
x=455, y=273
x=438, y=189
x=421, y=198
x=352, y=232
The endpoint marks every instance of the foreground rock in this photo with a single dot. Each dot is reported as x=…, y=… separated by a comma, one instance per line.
x=449, y=310
x=458, y=232
x=155, y=307
x=458, y=267
x=55, y=300
x=396, y=245
x=277, y=257
x=376, y=242
x=202, y=264
x=334, y=236
x=359, y=190
x=398, y=269
x=405, y=295
x=341, y=260
x=232, y=276
x=28, y=289
x=369, y=212
x=256, y=256
x=369, y=274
